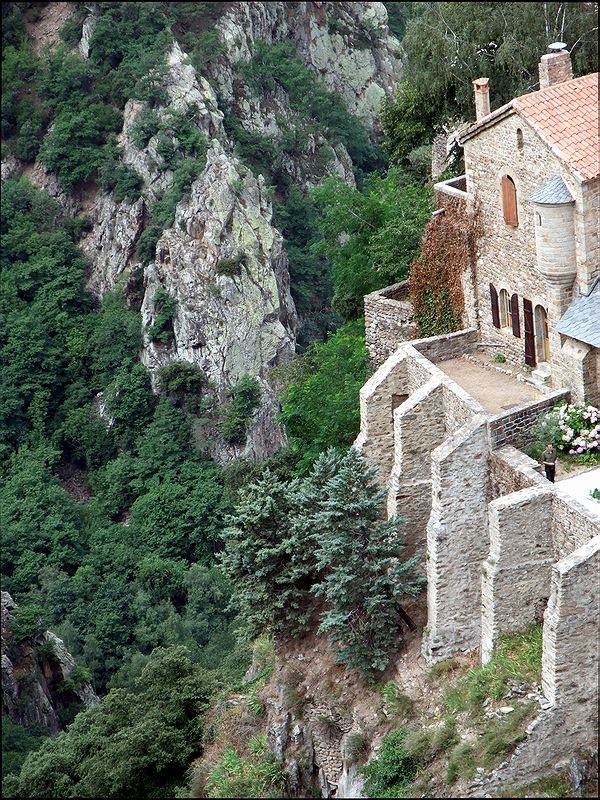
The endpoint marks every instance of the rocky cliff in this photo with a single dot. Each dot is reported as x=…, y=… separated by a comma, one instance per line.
x=235, y=319
x=243, y=323
x=39, y=683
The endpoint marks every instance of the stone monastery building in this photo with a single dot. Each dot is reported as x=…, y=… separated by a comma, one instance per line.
x=447, y=427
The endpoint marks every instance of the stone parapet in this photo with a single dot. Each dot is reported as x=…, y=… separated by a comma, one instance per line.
x=516, y=427
x=573, y=525
x=419, y=427
x=377, y=397
x=450, y=345
x=389, y=321
x=512, y=470
x=457, y=542
x=516, y=574
x=571, y=629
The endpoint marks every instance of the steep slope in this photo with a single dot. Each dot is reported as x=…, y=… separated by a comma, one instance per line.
x=227, y=325
x=226, y=267
x=37, y=671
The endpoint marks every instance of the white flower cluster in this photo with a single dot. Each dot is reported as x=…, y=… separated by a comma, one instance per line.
x=580, y=428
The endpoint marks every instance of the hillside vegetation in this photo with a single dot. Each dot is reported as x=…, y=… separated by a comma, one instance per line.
x=159, y=568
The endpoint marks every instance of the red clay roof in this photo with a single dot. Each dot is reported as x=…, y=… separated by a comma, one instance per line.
x=566, y=117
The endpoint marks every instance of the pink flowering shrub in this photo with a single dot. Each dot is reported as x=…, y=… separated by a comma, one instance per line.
x=578, y=428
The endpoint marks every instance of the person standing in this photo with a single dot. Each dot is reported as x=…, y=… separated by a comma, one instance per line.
x=549, y=461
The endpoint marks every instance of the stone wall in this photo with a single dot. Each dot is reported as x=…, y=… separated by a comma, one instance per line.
x=418, y=369
x=587, y=235
x=507, y=255
x=388, y=321
x=418, y=428
x=516, y=574
x=457, y=542
x=568, y=725
x=376, y=438
x=517, y=427
x=459, y=406
x=573, y=525
x=451, y=345
x=511, y=470
x=578, y=365
x=571, y=628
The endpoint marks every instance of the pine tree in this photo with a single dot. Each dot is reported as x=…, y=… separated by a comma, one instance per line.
x=366, y=580
x=270, y=546
x=301, y=541
x=255, y=557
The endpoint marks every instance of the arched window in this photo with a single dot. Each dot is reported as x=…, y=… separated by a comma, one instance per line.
x=542, y=340
x=494, y=305
x=509, y=201
x=519, y=138
x=504, y=303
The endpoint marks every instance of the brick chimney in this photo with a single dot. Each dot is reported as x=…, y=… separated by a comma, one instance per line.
x=555, y=66
x=482, y=97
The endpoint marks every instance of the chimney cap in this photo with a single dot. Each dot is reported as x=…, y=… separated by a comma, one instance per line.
x=481, y=83
x=556, y=47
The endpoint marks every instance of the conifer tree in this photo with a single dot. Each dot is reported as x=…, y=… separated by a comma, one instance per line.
x=301, y=539
x=366, y=579
x=255, y=556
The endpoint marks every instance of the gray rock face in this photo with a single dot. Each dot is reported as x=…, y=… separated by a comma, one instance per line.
x=244, y=323
x=110, y=245
x=87, y=29
x=49, y=183
x=11, y=168
x=271, y=116
x=30, y=681
x=227, y=324
x=351, y=784
x=348, y=45
x=185, y=88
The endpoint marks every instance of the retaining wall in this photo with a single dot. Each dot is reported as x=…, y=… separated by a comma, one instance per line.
x=517, y=427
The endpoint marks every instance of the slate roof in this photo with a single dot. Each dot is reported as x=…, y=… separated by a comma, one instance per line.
x=581, y=321
x=553, y=192
x=566, y=117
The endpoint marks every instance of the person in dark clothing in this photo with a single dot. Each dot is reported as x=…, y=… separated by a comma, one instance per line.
x=549, y=461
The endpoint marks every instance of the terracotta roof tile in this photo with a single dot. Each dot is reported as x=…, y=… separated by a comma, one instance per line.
x=566, y=117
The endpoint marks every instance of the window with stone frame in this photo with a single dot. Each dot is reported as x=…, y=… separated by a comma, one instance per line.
x=504, y=308
x=509, y=201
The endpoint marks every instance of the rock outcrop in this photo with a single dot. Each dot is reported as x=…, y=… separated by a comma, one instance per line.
x=243, y=322
x=36, y=687
x=110, y=245
x=348, y=45
x=226, y=267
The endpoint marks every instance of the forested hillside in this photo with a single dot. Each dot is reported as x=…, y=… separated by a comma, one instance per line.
x=195, y=199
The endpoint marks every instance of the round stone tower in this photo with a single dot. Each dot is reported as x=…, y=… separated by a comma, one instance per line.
x=555, y=242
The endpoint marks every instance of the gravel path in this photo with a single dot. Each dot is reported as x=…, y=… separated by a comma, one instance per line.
x=495, y=390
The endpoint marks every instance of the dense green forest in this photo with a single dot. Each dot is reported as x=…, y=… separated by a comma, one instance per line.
x=155, y=565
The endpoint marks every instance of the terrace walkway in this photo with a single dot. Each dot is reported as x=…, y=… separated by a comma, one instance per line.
x=495, y=390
